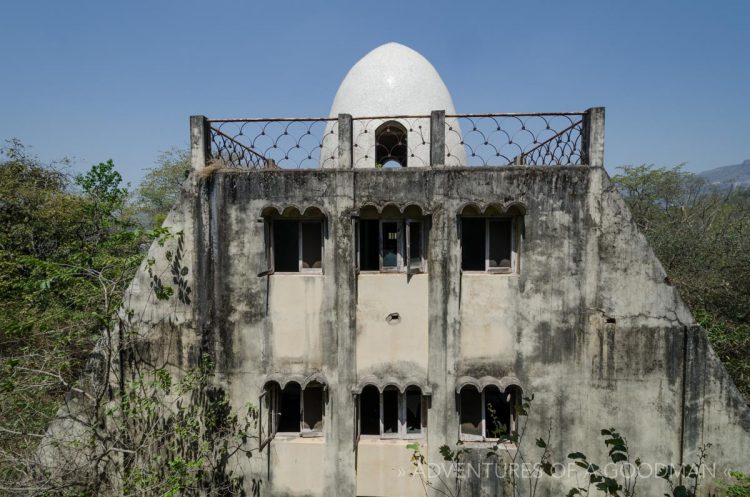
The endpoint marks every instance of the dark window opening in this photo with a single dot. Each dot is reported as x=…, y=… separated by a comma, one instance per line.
x=369, y=402
x=289, y=409
x=369, y=245
x=297, y=245
x=312, y=244
x=413, y=400
x=390, y=145
x=390, y=410
x=488, y=244
x=286, y=246
x=312, y=408
x=501, y=244
x=471, y=411
x=472, y=243
x=390, y=234
x=497, y=413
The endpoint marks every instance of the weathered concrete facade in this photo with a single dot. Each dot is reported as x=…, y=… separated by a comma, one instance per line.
x=589, y=323
x=583, y=317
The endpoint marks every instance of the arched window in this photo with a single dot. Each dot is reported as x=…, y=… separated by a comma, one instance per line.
x=293, y=409
x=391, y=413
x=390, y=145
x=490, y=239
x=489, y=414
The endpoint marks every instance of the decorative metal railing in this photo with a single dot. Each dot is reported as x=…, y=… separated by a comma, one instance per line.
x=538, y=139
x=502, y=139
x=270, y=143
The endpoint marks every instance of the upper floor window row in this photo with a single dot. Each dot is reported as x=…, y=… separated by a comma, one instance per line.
x=490, y=242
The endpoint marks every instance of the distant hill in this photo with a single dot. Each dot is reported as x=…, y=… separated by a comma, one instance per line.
x=737, y=175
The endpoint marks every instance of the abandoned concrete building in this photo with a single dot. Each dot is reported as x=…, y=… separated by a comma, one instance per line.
x=399, y=272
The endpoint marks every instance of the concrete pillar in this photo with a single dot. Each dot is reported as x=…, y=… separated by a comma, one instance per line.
x=340, y=292
x=346, y=147
x=200, y=142
x=437, y=138
x=444, y=328
x=592, y=152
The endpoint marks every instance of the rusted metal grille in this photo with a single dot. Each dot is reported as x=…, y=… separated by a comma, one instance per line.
x=391, y=139
x=538, y=139
x=275, y=143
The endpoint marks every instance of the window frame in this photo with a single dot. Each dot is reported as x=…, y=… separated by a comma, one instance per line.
x=514, y=246
x=402, y=430
x=403, y=246
x=408, y=223
x=399, y=245
x=379, y=132
x=271, y=246
x=513, y=421
x=273, y=393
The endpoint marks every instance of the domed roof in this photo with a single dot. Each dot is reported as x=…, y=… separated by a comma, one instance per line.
x=392, y=80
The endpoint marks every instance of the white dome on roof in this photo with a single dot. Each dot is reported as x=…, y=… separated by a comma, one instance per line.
x=392, y=80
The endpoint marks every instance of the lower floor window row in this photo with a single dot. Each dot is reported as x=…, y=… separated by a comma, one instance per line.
x=486, y=414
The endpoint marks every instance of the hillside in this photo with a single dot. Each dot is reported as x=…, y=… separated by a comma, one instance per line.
x=735, y=175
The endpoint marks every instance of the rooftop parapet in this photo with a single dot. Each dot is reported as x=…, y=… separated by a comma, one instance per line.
x=462, y=140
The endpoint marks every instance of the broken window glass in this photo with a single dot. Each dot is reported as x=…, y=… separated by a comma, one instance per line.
x=413, y=401
x=312, y=244
x=414, y=245
x=500, y=243
x=312, y=407
x=471, y=411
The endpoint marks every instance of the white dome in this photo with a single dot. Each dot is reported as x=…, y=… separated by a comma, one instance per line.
x=392, y=80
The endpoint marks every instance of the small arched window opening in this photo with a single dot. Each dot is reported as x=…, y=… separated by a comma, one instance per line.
x=390, y=145
x=290, y=413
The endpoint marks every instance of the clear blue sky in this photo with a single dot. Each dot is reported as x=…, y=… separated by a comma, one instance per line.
x=99, y=79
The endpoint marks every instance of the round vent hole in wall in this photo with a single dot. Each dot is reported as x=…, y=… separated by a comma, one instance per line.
x=393, y=318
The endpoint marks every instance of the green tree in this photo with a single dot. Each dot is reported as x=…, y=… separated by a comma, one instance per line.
x=158, y=191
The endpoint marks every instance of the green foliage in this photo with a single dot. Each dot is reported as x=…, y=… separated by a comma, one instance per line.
x=69, y=246
x=702, y=237
x=65, y=258
x=740, y=486
x=158, y=191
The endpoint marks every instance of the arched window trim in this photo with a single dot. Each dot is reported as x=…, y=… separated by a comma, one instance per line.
x=399, y=151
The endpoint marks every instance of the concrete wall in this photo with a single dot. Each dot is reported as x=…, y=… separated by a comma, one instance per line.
x=589, y=325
